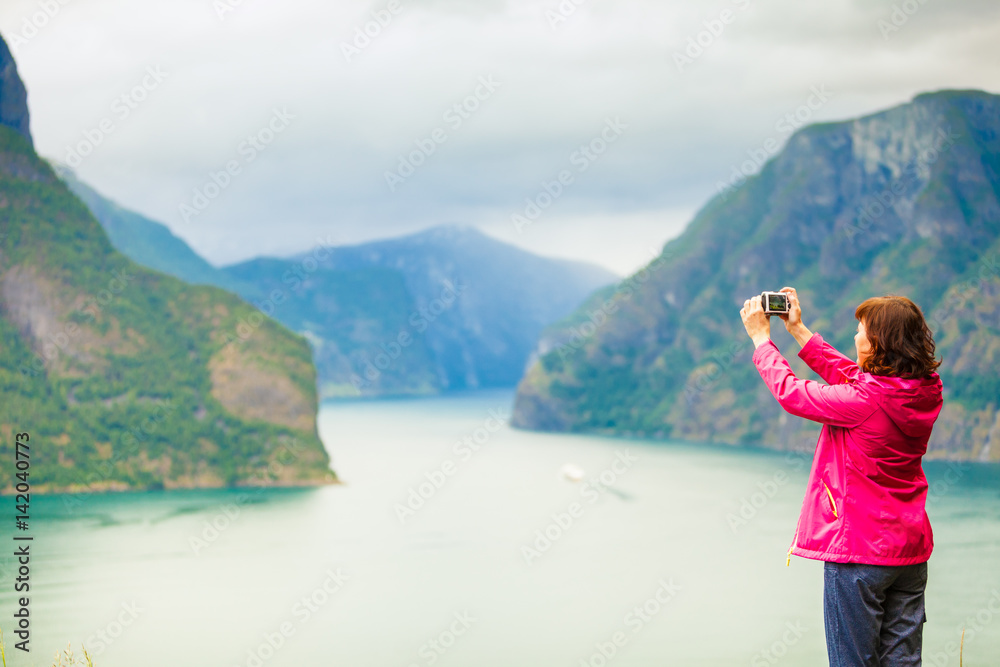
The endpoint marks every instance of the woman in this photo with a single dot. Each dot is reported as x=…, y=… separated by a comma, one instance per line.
x=863, y=511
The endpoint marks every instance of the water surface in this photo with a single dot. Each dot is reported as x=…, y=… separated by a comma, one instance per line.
x=658, y=567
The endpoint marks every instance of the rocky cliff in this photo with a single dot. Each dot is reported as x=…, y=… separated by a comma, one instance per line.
x=13, y=96
x=126, y=378
x=903, y=201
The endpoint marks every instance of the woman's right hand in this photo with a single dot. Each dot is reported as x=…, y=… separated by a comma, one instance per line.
x=793, y=318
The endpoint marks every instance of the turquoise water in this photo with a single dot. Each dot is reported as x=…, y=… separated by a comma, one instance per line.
x=654, y=567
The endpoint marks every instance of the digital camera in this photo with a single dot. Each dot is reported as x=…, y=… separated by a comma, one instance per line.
x=775, y=303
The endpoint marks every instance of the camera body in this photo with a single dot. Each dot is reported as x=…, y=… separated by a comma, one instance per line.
x=775, y=303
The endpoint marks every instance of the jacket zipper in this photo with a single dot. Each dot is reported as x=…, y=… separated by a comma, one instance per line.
x=833, y=505
x=788, y=561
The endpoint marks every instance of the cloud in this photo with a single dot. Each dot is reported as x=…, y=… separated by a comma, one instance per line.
x=357, y=115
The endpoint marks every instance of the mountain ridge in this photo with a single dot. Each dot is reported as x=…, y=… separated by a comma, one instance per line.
x=470, y=307
x=901, y=200
x=363, y=307
x=144, y=240
x=13, y=96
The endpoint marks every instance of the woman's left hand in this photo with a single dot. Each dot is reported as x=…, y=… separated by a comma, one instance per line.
x=756, y=322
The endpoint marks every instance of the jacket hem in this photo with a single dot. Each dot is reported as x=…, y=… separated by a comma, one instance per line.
x=858, y=558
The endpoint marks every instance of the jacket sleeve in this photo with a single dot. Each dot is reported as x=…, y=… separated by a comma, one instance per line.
x=826, y=361
x=846, y=404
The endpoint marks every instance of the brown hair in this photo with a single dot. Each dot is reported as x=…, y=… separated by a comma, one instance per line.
x=902, y=343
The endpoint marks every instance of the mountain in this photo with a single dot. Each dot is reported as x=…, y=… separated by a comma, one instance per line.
x=352, y=318
x=446, y=308
x=126, y=378
x=358, y=304
x=146, y=241
x=13, y=96
x=903, y=201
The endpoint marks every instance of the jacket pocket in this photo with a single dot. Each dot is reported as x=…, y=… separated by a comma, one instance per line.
x=833, y=503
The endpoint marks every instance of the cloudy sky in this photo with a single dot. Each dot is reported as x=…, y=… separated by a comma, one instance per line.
x=253, y=127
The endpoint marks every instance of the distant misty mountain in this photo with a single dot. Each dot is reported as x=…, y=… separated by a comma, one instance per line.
x=355, y=320
x=447, y=308
x=146, y=241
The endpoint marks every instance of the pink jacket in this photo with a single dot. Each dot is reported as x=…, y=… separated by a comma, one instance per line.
x=864, y=500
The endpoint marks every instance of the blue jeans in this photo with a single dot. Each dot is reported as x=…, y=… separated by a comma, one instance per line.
x=874, y=614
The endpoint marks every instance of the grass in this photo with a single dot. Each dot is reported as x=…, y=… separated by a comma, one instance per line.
x=71, y=660
x=63, y=659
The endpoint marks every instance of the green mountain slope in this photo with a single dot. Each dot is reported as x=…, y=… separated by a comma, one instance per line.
x=904, y=201
x=126, y=378
x=146, y=241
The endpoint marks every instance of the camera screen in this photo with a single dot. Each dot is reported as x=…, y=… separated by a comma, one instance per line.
x=777, y=302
